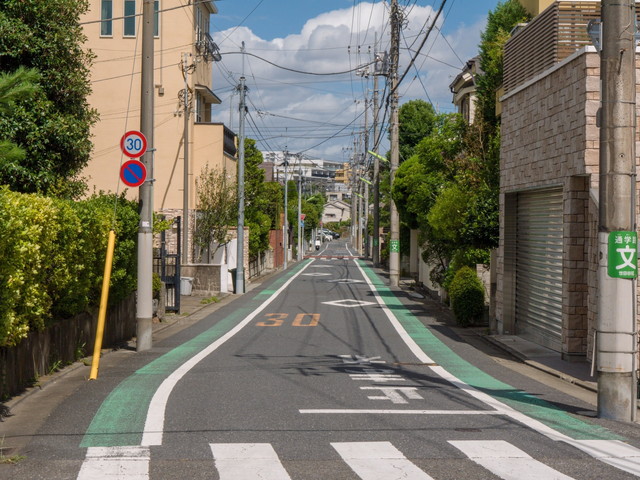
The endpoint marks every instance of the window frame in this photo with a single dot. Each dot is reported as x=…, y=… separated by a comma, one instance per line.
x=129, y=19
x=106, y=19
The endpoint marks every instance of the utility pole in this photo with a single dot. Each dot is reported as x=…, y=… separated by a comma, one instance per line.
x=354, y=195
x=240, y=230
x=394, y=53
x=144, y=301
x=616, y=333
x=185, y=150
x=365, y=172
x=285, y=237
x=300, y=229
x=375, y=257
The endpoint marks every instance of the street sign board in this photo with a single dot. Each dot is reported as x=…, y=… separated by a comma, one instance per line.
x=133, y=144
x=622, y=259
x=133, y=173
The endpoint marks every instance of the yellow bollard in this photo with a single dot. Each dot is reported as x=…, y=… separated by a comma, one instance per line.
x=103, y=306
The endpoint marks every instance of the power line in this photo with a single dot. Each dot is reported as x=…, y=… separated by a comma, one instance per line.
x=424, y=40
x=295, y=70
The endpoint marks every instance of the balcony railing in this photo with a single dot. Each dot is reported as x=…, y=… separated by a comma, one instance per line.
x=549, y=38
x=207, y=47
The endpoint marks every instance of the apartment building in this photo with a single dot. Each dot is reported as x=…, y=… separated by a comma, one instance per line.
x=184, y=54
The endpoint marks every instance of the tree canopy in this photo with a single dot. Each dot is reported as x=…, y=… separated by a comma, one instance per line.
x=449, y=188
x=52, y=127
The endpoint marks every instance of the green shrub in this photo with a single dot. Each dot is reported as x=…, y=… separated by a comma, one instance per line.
x=467, y=296
x=53, y=254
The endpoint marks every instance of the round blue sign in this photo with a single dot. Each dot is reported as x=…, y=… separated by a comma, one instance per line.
x=133, y=173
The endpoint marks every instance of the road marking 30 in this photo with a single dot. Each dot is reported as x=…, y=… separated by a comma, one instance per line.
x=301, y=320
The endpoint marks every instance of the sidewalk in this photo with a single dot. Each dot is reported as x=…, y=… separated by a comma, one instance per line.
x=546, y=360
x=529, y=353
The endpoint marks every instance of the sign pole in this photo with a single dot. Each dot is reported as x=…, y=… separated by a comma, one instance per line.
x=144, y=302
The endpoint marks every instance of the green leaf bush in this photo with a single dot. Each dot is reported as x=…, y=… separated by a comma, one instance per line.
x=52, y=259
x=467, y=296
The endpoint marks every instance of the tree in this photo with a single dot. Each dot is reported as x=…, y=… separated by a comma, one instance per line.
x=15, y=87
x=53, y=128
x=256, y=218
x=500, y=23
x=216, y=207
x=417, y=119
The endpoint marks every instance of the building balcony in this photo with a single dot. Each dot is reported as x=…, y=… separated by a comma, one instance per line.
x=207, y=47
x=549, y=38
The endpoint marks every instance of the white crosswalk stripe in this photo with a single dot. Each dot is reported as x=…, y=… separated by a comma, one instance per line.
x=368, y=460
x=247, y=461
x=115, y=463
x=378, y=461
x=507, y=461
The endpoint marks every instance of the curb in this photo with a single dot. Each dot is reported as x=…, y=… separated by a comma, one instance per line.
x=537, y=365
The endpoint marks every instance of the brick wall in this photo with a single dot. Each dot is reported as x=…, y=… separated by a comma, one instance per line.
x=550, y=138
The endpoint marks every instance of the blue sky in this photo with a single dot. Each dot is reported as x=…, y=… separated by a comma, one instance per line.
x=320, y=115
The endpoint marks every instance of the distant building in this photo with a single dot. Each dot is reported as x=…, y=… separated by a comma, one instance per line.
x=336, y=211
x=464, y=89
x=317, y=175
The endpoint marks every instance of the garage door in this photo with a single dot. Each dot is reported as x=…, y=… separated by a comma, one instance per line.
x=539, y=267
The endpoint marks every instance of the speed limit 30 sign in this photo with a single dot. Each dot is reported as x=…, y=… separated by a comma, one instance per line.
x=133, y=144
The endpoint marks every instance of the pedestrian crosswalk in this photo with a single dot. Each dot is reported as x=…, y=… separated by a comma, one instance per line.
x=378, y=460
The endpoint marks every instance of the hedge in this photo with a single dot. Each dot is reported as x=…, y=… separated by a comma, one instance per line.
x=52, y=258
x=467, y=296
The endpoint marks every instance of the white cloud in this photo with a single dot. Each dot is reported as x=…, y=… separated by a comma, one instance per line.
x=335, y=41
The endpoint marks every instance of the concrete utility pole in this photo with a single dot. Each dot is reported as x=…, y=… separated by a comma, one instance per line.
x=300, y=229
x=240, y=230
x=354, y=197
x=375, y=257
x=185, y=151
x=616, y=335
x=144, y=302
x=285, y=237
x=365, y=173
x=394, y=53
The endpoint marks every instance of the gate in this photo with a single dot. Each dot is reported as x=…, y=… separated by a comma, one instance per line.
x=167, y=265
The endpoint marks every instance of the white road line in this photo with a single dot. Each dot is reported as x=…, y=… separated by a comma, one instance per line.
x=613, y=452
x=378, y=461
x=248, y=461
x=507, y=461
x=115, y=463
x=154, y=424
x=607, y=451
x=372, y=411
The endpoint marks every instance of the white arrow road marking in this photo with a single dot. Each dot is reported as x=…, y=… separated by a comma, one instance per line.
x=378, y=461
x=507, y=461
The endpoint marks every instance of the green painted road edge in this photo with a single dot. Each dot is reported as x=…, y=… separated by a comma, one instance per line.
x=519, y=400
x=120, y=419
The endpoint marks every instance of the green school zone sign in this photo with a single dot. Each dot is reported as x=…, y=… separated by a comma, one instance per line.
x=622, y=261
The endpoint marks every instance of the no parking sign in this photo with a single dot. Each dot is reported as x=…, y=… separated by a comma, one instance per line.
x=133, y=173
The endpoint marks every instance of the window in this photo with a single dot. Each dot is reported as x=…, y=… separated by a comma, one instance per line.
x=156, y=18
x=129, y=18
x=106, y=15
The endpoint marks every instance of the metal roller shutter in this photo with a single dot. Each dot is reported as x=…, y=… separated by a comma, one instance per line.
x=539, y=267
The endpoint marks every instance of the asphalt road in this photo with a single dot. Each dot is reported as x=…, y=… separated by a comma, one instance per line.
x=322, y=372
